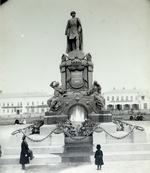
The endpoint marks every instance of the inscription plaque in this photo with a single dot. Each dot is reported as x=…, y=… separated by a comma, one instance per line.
x=77, y=79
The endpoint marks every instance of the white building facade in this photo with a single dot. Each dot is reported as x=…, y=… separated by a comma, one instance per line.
x=36, y=102
x=127, y=99
x=23, y=103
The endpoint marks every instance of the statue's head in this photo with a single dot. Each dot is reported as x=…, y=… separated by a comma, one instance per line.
x=98, y=86
x=73, y=13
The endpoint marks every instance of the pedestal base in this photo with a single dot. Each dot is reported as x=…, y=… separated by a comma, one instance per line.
x=100, y=117
x=53, y=119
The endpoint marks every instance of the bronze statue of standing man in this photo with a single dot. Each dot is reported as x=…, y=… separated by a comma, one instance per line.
x=74, y=33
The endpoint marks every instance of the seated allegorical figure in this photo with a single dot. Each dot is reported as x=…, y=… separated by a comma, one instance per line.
x=96, y=92
x=54, y=102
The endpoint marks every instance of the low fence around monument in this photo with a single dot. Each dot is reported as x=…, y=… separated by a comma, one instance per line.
x=87, y=129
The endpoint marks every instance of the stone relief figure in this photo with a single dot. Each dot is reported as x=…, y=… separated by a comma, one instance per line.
x=96, y=92
x=74, y=33
x=54, y=102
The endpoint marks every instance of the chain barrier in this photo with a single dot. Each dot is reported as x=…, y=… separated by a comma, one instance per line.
x=56, y=131
x=77, y=139
x=19, y=130
x=115, y=137
x=61, y=128
x=130, y=125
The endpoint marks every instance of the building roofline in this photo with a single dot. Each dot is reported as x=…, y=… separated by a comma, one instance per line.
x=127, y=91
x=26, y=94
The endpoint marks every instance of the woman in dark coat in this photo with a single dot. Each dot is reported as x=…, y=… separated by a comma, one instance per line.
x=98, y=157
x=25, y=153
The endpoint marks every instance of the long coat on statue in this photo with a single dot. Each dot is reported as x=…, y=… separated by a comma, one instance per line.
x=73, y=29
x=99, y=157
x=24, y=156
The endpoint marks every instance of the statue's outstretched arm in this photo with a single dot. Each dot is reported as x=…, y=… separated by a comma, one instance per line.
x=52, y=84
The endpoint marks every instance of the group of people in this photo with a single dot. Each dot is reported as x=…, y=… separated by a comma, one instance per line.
x=27, y=154
x=23, y=121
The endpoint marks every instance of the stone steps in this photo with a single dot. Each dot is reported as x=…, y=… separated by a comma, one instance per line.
x=40, y=159
x=80, y=148
x=110, y=141
x=35, y=149
x=126, y=147
x=79, y=153
x=43, y=159
x=57, y=149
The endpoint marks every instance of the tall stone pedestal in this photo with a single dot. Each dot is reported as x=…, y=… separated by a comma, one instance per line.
x=76, y=71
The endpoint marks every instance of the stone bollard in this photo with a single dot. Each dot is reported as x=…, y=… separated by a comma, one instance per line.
x=15, y=140
x=109, y=127
x=99, y=138
x=57, y=139
x=139, y=136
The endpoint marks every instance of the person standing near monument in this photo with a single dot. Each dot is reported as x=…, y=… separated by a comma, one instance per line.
x=25, y=153
x=74, y=33
x=98, y=157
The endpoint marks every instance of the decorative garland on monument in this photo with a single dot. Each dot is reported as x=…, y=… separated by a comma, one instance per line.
x=78, y=134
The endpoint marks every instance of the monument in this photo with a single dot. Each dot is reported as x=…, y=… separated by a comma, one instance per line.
x=77, y=115
x=78, y=97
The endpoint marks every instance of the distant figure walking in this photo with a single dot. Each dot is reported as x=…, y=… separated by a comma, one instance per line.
x=25, y=154
x=99, y=157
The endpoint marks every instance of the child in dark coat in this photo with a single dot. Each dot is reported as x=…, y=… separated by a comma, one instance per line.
x=98, y=157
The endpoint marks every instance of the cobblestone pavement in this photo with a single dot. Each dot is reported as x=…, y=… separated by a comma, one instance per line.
x=109, y=167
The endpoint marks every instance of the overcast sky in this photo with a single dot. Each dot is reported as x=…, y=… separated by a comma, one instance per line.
x=115, y=32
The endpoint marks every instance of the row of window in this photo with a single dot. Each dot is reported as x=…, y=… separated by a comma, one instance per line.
x=11, y=104
x=33, y=103
x=10, y=110
x=37, y=110
x=20, y=104
x=32, y=110
x=127, y=98
x=127, y=106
